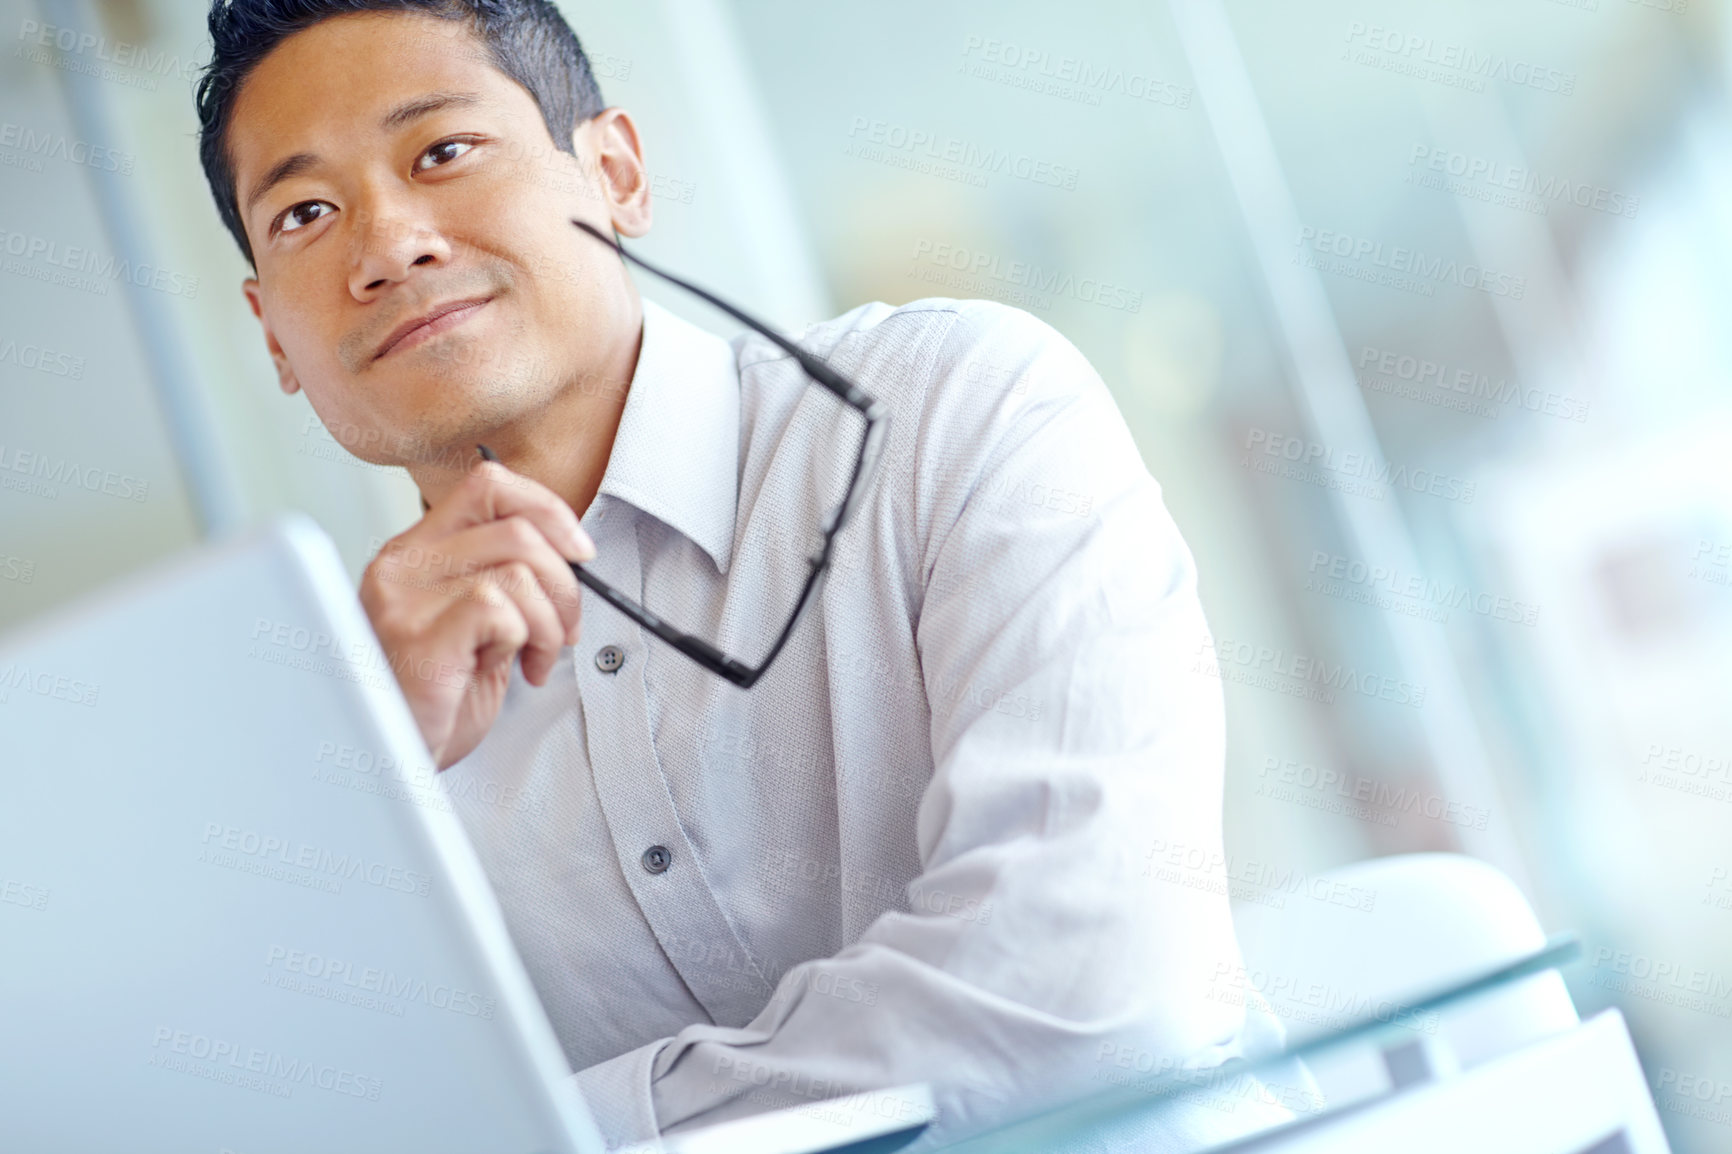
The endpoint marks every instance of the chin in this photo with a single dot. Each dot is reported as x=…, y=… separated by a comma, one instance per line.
x=479, y=370
x=439, y=422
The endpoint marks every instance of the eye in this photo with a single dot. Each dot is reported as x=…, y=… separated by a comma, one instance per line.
x=303, y=214
x=442, y=153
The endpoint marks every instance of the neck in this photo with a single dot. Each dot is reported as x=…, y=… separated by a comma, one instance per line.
x=565, y=444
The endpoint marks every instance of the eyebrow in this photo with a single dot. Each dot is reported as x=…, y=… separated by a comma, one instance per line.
x=405, y=113
x=284, y=169
x=424, y=106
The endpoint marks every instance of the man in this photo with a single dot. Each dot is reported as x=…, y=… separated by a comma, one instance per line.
x=919, y=847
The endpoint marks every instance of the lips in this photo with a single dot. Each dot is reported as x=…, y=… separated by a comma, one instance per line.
x=436, y=320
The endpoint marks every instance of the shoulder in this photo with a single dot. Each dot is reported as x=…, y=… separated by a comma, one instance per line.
x=967, y=381
x=987, y=403
x=944, y=332
x=964, y=367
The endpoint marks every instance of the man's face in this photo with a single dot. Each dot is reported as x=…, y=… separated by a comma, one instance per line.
x=387, y=172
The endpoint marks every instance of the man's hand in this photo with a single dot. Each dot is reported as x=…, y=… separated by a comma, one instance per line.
x=454, y=599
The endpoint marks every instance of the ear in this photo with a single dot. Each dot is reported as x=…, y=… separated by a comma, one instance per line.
x=625, y=182
x=285, y=374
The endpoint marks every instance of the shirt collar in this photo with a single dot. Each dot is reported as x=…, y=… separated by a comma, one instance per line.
x=677, y=450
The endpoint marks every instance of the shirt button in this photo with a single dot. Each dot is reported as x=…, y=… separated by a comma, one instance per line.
x=657, y=858
x=609, y=658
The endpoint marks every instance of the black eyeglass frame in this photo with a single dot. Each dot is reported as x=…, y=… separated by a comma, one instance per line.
x=877, y=418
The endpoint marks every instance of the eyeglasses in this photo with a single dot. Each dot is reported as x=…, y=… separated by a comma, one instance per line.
x=877, y=419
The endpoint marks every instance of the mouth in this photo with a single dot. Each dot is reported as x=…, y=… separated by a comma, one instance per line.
x=440, y=319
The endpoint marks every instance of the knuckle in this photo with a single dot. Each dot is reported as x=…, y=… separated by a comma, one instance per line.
x=524, y=535
x=520, y=577
x=393, y=632
x=513, y=626
x=484, y=588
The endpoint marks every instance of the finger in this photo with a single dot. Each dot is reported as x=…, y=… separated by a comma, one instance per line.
x=491, y=492
x=546, y=632
x=487, y=628
x=516, y=539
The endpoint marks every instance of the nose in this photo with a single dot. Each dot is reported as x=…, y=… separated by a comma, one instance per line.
x=389, y=242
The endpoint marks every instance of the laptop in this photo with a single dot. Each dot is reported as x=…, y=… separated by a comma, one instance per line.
x=238, y=914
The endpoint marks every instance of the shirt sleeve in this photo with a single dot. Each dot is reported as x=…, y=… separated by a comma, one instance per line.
x=1075, y=740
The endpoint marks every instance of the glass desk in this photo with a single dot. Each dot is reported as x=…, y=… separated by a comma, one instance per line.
x=1086, y=1123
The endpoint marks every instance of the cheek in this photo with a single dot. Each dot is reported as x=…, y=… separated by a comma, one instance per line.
x=301, y=316
x=529, y=210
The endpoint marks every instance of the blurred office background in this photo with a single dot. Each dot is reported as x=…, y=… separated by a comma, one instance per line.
x=1421, y=313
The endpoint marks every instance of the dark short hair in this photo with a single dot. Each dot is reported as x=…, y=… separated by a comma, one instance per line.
x=528, y=40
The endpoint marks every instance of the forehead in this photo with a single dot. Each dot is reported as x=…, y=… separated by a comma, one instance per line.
x=334, y=81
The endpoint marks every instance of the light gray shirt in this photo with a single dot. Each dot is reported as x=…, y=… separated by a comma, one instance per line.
x=918, y=848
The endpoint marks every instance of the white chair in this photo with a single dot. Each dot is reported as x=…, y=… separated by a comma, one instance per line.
x=1579, y=1092
x=1490, y=1074
x=1368, y=938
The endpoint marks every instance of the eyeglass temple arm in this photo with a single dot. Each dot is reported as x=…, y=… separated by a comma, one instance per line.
x=696, y=648
x=870, y=407
x=818, y=370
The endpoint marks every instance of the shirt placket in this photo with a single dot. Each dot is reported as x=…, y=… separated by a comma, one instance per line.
x=658, y=861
